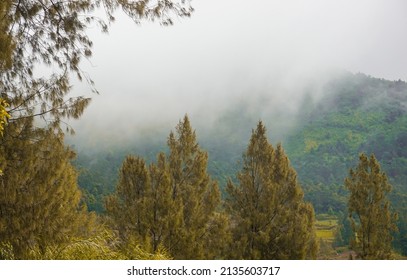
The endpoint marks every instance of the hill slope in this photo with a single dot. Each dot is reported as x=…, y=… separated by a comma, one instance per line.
x=356, y=113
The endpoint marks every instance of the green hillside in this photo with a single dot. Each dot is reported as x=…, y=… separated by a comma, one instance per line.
x=355, y=114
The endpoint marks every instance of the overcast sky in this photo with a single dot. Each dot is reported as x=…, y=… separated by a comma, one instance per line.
x=231, y=49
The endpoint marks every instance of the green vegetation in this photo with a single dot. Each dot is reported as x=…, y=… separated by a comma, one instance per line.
x=369, y=210
x=357, y=113
x=3, y=115
x=40, y=200
x=172, y=203
x=327, y=227
x=167, y=202
x=42, y=212
x=270, y=218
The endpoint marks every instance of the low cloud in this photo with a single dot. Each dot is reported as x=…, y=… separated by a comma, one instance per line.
x=232, y=52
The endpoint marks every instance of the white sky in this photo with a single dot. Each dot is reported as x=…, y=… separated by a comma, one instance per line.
x=231, y=49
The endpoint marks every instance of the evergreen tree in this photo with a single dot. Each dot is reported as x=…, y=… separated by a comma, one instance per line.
x=142, y=208
x=372, y=219
x=343, y=232
x=164, y=213
x=172, y=203
x=128, y=206
x=39, y=197
x=270, y=218
x=192, y=185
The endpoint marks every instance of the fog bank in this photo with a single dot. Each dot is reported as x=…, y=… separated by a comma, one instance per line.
x=267, y=55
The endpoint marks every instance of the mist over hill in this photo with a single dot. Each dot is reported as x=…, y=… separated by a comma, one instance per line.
x=358, y=114
x=323, y=135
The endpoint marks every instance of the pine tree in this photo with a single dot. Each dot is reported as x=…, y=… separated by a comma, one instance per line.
x=270, y=218
x=172, y=203
x=142, y=208
x=164, y=213
x=191, y=184
x=372, y=219
x=40, y=202
x=128, y=206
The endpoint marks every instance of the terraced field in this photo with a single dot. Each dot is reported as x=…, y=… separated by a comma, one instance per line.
x=326, y=227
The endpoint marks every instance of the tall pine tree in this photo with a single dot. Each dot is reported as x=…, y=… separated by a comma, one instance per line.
x=192, y=184
x=270, y=218
x=369, y=210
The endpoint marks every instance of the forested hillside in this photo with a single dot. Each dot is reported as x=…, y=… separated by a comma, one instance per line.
x=356, y=113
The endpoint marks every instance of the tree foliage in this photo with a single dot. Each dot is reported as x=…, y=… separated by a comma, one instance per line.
x=191, y=183
x=369, y=209
x=170, y=204
x=142, y=208
x=3, y=115
x=128, y=208
x=41, y=213
x=40, y=33
x=270, y=218
x=40, y=202
x=6, y=43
